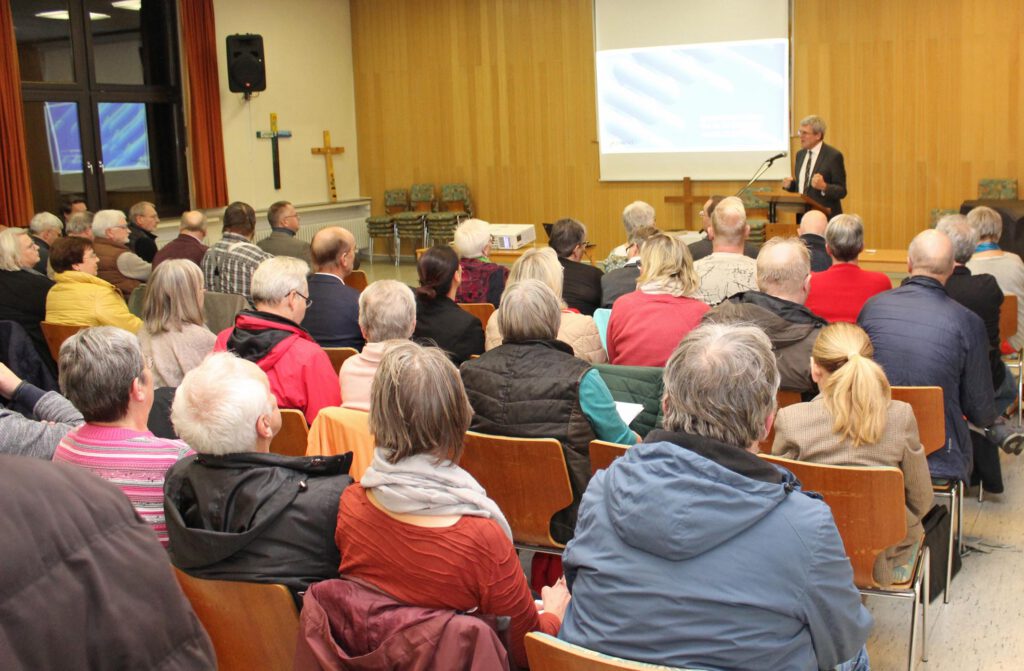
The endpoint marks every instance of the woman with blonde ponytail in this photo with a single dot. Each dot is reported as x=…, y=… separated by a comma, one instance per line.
x=855, y=422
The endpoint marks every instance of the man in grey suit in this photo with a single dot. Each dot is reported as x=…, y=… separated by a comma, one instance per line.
x=284, y=224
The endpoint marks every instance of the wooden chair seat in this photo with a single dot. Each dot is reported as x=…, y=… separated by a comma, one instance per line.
x=338, y=355
x=341, y=430
x=547, y=653
x=291, y=439
x=481, y=311
x=357, y=280
x=56, y=334
x=603, y=453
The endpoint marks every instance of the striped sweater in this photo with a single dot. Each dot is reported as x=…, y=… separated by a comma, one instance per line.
x=135, y=461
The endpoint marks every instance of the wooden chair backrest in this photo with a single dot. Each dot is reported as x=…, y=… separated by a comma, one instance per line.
x=291, y=439
x=481, y=311
x=603, y=453
x=1008, y=316
x=251, y=625
x=784, y=398
x=867, y=504
x=357, y=280
x=337, y=355
x=929, y=412
x=526, y=477
x=341, y=430
x=547, y=653
x=56, y=334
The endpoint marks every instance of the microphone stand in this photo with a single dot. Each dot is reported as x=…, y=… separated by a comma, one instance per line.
x=760, y=171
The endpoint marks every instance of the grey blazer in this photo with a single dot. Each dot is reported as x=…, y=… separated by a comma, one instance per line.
x=281, y=244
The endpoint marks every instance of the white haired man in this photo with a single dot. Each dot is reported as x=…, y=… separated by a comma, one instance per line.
x=635, y=216
x=237, y=512
x=300, y=374
x=45, y=228
x=118, y=264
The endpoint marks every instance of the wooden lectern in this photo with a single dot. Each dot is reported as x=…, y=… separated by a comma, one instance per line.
x=787, y=201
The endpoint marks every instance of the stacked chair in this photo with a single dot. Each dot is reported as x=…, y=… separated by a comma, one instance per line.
x=997, y=189
x=383, y=226
x=755, y=205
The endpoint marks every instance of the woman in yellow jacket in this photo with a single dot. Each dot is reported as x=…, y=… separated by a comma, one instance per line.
x=79, y=297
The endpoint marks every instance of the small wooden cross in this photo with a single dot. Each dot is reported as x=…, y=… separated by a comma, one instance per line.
x=688, y=199
x=327, y=151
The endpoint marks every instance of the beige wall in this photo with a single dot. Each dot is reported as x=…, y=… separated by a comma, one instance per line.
x=923, y=97
x=308, y=53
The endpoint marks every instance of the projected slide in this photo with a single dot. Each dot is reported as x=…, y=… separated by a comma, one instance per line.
x=123, y=136
x=723, y=96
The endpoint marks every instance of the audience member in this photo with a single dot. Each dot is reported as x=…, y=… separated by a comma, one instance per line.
x=439, y=320
x=622, y=280
x=533, y=387
x=647, y=324
x=333, y=318
x=80, y=226
x=72, y=205
x=45, y=228
x=174, y=335
x=300, y=373
x=636, y=215
x=420, y=528
x=387, y=312
x=581, y=284
x=189, y=243
x=79, y=297
x=855, y=422
x=229, y=265
x=236, y=512
x=838, y=294
x=482, y=281
x=576, y=330
x=284, y=224
x=142, y=222
x=1006, y=267
x=23, y=289
x=812, y=231
x=117, y=264
x=783, y=276
x=703, y=247
x=104, y=374
x=85, y=584
x=24, y=437
x=727, y=271
x=690, y=544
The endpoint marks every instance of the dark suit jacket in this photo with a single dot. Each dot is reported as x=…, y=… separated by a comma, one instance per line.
x=581, y=286
x=44, y=255
x=333, y=318
x=981, y=295
x=442, y=322
x=702, y=248
x=618, y=282
x=830, y=165
x=142, y=242
x=820, y=260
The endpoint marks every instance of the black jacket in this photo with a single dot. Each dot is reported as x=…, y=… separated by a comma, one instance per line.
x=618, y=282
x=581, y=286
x=981, y=295
x=820, y=260
x=443, y=323
x=333, y=318
x=23, y=300
x=256, y=517
x=830, y=164
x=142, y=242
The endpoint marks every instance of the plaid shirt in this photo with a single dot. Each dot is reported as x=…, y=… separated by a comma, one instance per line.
x=229, y=265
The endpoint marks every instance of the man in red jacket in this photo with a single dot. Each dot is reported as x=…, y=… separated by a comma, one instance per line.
x=300, y=374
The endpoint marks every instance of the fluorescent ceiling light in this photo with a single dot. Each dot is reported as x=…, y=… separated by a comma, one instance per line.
x=62, y=15
x=133, y=5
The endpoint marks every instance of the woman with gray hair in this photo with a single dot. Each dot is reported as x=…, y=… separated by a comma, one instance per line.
x=482, y=280
x=23, y=290
x=838, y=294
x=1006, y=267
x=419, y=527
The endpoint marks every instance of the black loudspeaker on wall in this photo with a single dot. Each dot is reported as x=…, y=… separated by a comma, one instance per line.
x=246, y=72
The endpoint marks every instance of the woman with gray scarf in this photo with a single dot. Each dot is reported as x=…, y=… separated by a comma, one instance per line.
x=419, y=527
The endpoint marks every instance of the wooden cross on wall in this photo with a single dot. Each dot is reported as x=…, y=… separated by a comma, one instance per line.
x=688, y=199
x=273, y=134
x=327, y=151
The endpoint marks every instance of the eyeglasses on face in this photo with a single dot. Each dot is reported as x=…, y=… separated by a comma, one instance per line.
x=308, y=300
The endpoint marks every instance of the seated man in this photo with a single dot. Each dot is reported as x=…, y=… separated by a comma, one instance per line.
x=142, y=223
x=300, y=373
x=690, y=551
x=45, y=228
x=783, y=275
x=622, y=280
x=637, y=214
x=838, y=294
x=284, y=224
x=189, y=243
x=79, y=225
x=333, y=318
x=237, y=512
x=118, y=264
x=229, y=265
x=581, y=285
x=812, y=232
x=703, y=247
x=728, y=271
x=26, y=437
x=387, y=311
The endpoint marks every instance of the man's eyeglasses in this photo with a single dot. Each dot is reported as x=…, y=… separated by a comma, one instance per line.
x=308, y=300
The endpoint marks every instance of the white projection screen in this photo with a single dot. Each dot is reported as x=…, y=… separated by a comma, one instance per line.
x=689, y=88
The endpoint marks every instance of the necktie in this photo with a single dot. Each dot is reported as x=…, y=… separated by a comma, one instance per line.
x=807, y=170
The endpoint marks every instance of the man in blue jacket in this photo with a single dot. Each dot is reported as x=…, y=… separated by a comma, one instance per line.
x=690, y=551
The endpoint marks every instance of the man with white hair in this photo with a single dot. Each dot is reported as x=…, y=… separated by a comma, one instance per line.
x=118, y=264
x=79, y=225
x=482, y=280
x=727, y=271
x=821, y=173
x=300, y=374
x=636, y=215
x=142, y=222
x=238, y=512
x=333, y=318
x=783, y=278
x=387, y=312
x=189, y=243
x=812, y=232
x=45, y=228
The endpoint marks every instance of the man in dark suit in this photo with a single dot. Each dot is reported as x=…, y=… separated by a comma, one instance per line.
x=333, y=317
x=812, y=232
x=821, y=174
x=622, y=281
x=581, y=284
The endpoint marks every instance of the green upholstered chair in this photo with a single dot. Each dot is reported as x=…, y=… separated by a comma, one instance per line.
x=455, y=198
x=410, y=226
x=938, y=213
x=421, y=197
x=997, y=189
x=396, y=200
x=380, y=227
x=441, y=227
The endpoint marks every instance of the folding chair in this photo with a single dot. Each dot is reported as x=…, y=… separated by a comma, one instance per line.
x=56, y=334
x=869, y=509
x=603, y=453
x=341, y=430
x=481, y=311
x=547, y=653
x=291, y=439
x=338, y=355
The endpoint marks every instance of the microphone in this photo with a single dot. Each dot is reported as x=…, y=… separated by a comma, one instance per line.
x=777, y=156
x=760, y=171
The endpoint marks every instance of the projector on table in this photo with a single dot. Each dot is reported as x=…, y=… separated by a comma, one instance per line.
x=512, y=236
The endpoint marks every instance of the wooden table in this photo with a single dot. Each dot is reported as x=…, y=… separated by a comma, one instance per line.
x=884, y=260
x=504, y=256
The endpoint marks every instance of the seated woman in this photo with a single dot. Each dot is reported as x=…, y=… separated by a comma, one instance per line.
x=419, y=527
x=174, y=334
x=854, y=422
x=439, y=320
x=482, y=281
x=576, y=330
x=647, y=325
x=23, y=290
x=80, y=297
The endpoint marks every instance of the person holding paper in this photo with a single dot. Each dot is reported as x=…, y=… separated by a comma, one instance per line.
x=821, y=174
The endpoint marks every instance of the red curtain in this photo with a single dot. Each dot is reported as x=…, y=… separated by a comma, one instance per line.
x=199, y=39
x=15, y=186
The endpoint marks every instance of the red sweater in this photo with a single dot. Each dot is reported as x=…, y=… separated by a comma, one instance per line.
x=838, y=294
x=645, y=329
x=467, y=565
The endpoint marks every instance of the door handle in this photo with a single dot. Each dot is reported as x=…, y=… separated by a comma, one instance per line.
x=100, y=164
x=88, y=164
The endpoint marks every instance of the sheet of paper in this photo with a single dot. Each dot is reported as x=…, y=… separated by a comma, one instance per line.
x=628, y=411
